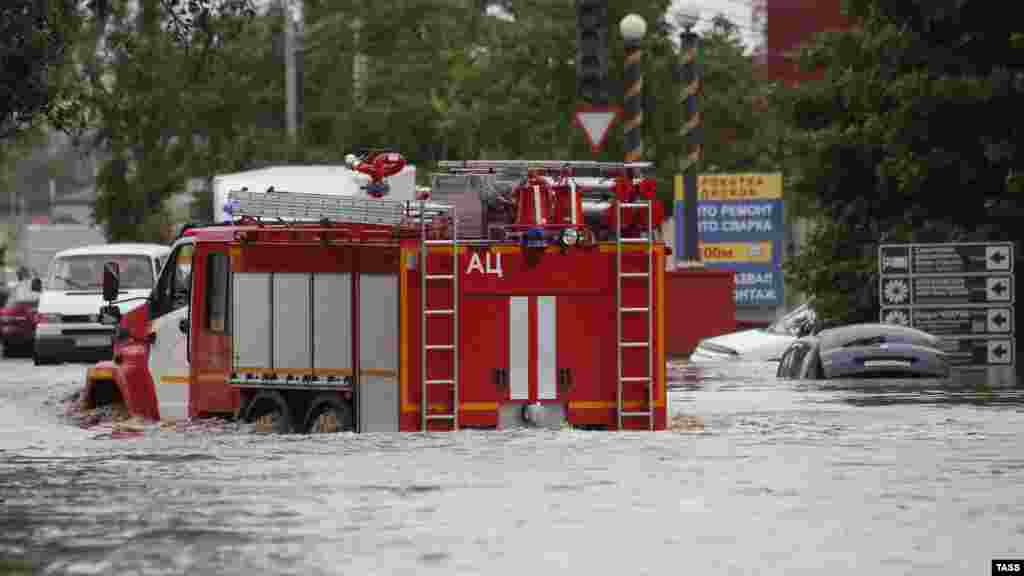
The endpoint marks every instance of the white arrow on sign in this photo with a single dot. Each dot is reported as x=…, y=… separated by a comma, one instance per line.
x=596, y=122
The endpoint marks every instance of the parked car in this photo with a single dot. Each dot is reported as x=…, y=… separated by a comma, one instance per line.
x=865, y=351
x=68, y=314
x=18, y=320
x=759, y=344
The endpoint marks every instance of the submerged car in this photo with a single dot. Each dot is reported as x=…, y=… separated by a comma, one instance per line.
x=865, y=351
x=759, y=343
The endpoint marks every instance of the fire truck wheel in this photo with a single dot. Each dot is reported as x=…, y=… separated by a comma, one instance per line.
x=329, y=413
x=269, y=411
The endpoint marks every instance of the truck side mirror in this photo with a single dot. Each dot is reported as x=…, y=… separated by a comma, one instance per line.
x=36, y=285
x=110, y=315
x=111, y=281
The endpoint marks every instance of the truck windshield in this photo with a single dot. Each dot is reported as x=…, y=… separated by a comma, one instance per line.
x=85, y=272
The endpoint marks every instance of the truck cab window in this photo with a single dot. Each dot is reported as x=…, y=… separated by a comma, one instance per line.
x=217, y=283
x=175, y=284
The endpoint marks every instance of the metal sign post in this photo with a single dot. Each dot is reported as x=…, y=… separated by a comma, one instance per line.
x=961, y=292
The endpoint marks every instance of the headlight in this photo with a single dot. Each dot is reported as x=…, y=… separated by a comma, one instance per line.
x=48, y=318
x=569, y=237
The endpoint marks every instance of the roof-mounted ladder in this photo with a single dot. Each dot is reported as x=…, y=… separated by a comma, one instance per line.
x=451, y=313
x=300, y=206
x=647, y=310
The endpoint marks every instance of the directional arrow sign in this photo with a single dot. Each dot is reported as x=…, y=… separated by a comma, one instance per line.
x=998, y=288
x=596, y=122
x=958, y=320
x=946, y=258
x=984, y=351
x=949, y=290
x=1000, y=320
x=1000, y=352
x=998, y=257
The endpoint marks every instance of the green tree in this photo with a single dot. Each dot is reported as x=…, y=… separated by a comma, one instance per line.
x=34, y=40
x=447, y=81
x=912, y=134
x=161, y=106
x=743, y=128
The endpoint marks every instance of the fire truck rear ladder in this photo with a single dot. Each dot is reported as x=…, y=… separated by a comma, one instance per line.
x=647, y=277
x=453, y=313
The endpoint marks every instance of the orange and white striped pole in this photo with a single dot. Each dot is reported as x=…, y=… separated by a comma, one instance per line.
x=633, y=28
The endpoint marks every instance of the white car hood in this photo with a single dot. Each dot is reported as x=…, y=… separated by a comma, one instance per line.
x=80, y=302
x=754, y=344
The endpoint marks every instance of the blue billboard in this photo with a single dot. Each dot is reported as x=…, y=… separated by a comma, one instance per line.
x=740, y=223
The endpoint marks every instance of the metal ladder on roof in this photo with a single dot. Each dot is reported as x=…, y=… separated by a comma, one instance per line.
x=646, y=277
x=301, y=206
x=426, y=278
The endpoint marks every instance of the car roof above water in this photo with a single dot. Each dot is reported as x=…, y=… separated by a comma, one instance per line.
x=874, y=333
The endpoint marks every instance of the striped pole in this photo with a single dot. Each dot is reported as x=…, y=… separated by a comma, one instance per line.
x=634, y=101
x=689, y=161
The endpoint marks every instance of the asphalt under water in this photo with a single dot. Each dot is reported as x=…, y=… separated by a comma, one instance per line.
x=865, y=477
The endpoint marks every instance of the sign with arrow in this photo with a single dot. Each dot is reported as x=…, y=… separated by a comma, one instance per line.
x=987, y=351
x=944, y=259
x=961, y=292
x=596, y=122
x=954, y=320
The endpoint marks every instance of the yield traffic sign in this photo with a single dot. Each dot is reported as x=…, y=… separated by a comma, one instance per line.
x=596, y=122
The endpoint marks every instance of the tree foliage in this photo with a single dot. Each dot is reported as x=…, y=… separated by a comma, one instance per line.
x=158, y=103
x=912, y=134
x=447, y=81
x=35, y=37
x=175, y=89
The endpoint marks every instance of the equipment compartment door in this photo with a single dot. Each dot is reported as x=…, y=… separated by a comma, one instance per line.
x=378, y=391
x=484, y=350
x=583, y=355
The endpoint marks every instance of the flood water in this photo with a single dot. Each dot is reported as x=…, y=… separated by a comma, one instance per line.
x=869, y=477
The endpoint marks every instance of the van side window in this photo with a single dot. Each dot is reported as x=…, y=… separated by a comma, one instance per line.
x=218, y=280
x=174, y=288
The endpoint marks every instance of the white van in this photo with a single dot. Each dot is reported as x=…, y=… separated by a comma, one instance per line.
x=72, y=296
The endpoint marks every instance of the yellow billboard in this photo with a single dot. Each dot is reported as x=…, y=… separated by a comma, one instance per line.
x=739, y=187
x=732, y=252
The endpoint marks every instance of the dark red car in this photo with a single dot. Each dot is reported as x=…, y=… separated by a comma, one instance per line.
x=18, y=320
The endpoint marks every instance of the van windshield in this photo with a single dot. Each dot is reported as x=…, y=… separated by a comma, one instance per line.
x=85, y=272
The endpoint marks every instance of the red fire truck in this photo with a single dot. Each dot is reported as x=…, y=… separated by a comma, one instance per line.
x=515, y=293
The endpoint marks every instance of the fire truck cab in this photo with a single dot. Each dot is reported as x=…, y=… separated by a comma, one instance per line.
x=518, y=293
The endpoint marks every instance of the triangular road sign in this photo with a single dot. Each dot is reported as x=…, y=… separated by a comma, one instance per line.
x=596, y=122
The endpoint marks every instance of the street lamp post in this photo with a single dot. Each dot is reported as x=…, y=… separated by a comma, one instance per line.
x=689, y=158
x=633, y=28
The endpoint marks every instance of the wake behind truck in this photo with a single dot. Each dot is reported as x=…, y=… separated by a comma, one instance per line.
x=518, y=293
